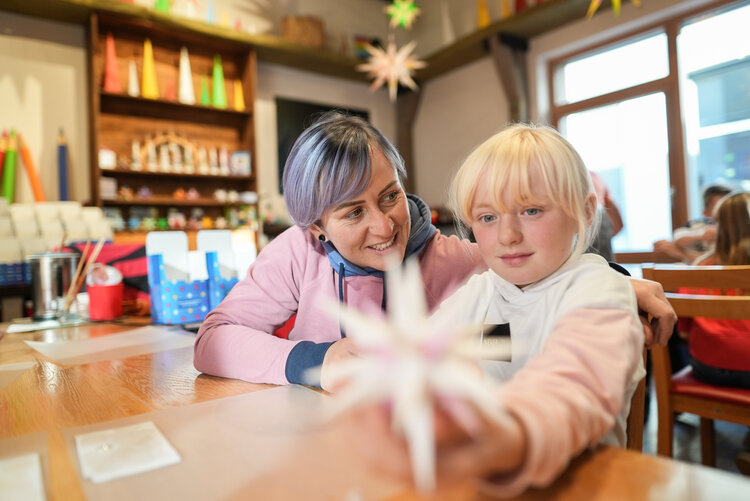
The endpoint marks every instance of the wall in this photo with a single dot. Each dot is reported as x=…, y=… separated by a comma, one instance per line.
x=279, y=81
x=43, y=87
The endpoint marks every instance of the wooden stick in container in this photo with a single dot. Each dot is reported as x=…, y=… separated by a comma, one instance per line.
x=74, y=278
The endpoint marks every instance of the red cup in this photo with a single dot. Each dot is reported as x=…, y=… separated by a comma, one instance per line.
x=105, y=301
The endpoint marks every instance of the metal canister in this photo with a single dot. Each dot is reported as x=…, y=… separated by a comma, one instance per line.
x=51, y=275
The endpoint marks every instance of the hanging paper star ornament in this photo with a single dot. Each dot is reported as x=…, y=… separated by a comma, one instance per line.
x=391, y=66
x=402, y=13
x=415, y=363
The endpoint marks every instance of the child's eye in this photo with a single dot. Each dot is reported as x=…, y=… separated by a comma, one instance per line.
x=532, y=211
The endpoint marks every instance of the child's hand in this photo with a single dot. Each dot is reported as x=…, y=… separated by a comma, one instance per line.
x=653, y=302
x=491, y=449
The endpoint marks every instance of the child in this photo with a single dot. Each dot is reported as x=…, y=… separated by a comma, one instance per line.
x=720, y=348
x=574, y=328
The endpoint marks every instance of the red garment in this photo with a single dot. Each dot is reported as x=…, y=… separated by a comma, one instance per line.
x=718, y=342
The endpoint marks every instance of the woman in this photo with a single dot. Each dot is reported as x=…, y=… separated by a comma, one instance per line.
x=343, y=185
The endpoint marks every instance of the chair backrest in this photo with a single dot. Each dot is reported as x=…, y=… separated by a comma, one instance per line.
x=672, y=277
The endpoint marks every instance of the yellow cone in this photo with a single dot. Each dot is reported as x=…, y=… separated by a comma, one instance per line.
x=149, y=89
x=483, y=14
x=239, y=97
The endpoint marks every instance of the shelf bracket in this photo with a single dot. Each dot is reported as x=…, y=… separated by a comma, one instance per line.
x=509, y=55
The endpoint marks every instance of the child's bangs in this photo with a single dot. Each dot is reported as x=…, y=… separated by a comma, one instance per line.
x=517, y=178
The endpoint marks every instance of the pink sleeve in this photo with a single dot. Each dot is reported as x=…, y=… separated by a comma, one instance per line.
x=236, y=339
x=567, y=397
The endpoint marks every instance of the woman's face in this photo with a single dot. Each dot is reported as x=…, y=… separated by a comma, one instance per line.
x=371, y=229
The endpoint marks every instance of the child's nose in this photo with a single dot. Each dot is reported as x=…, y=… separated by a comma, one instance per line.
x=509, y=233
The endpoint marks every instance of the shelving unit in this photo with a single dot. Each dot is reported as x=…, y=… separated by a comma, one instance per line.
x=118, y=119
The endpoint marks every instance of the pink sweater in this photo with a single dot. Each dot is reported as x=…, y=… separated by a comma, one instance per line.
x=290, y=276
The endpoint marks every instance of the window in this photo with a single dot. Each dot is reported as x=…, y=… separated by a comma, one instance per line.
x=623, y=105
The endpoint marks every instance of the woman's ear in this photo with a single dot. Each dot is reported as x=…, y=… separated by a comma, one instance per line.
x=591, y=208
x=317, y=232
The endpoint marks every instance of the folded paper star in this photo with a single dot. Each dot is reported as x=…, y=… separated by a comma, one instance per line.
x=391, y=66
x=414, y=363
x=402, y=13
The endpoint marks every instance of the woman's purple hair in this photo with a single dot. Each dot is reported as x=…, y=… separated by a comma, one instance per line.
x=330, y=162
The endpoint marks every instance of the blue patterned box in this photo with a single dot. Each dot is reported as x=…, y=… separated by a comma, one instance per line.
x=178, y=301
x=15, y=273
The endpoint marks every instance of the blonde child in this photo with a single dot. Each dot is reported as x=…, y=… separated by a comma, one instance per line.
x=573, y=323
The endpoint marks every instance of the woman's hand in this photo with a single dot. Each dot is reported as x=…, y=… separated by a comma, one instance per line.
x=339, y=351
x=654, y=303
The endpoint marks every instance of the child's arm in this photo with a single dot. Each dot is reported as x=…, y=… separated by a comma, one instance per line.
x=568, y=397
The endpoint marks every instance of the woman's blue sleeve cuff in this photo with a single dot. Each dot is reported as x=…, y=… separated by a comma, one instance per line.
x=305, y=355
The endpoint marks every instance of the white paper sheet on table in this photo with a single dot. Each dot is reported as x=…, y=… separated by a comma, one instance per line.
x=9, y=372
x=21, y=478
x=149, y=339
x=119, y=452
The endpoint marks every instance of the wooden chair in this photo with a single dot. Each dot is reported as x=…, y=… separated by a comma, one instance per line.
x=637, y=414
x=681, y=392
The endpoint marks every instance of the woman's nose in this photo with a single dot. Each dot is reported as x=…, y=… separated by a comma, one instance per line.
x=381, y=223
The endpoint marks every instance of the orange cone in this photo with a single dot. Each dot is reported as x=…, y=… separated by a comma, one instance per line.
x=111, y=75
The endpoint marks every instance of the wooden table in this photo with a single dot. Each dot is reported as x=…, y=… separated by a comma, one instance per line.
x=50, y=398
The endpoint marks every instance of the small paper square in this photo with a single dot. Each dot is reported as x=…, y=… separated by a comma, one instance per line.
x=109, y=454
x=21, y=478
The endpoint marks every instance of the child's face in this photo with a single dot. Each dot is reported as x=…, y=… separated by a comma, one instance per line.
x=526, y=244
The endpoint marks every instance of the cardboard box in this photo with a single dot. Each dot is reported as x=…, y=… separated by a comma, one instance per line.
x=303, y=30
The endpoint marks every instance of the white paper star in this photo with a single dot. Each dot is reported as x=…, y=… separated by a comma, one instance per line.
x=414, y=362
x=392, y=66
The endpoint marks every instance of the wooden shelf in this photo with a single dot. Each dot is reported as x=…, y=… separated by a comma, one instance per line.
x=148, y=174
x=171, y=202
x=122, y=104
x=531, y=22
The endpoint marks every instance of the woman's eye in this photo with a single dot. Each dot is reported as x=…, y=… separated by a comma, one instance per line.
x=392, y=196
x=486, y=218
x=354, y=214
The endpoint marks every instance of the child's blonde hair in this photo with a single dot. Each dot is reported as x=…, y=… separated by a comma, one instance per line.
x=508, y=159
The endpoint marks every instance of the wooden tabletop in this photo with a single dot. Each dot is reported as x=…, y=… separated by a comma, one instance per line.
x=50, y=397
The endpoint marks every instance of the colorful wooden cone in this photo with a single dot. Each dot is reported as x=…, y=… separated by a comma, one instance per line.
x=111, y=74
x=483, y=14
x=239, y=96
x=149, y=88
x=219, y=97
x=31, y=173
x=505, y=9
x=9, y=169
x=205, y=95
x=186, y=94
x=62, y=166
x=134, y=89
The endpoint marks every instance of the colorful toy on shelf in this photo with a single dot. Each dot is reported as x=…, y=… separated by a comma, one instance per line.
x=126, y=193
x=151, y=160
x=239, y=96
x=213, y=161
x=221, y=223
x=233, y=196
x=240, y=163
x=164, y=165
x=144, y=192
x=203, y=167
x=205, y=95
x=162, y=223
x=135, y=156
x=192, y=194
x=176, y=220
x=207, y=223
x=134, y=223
x=111, y=73
x=224, y=161
x=134, y=89
x=148, y=223
x=149, y=88
x=179, y=194
x=220, y=195
x=186, y=94
x=174, y=149
x=219, y=94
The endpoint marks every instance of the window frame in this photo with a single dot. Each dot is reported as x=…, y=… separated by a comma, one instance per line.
x=669, y=85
